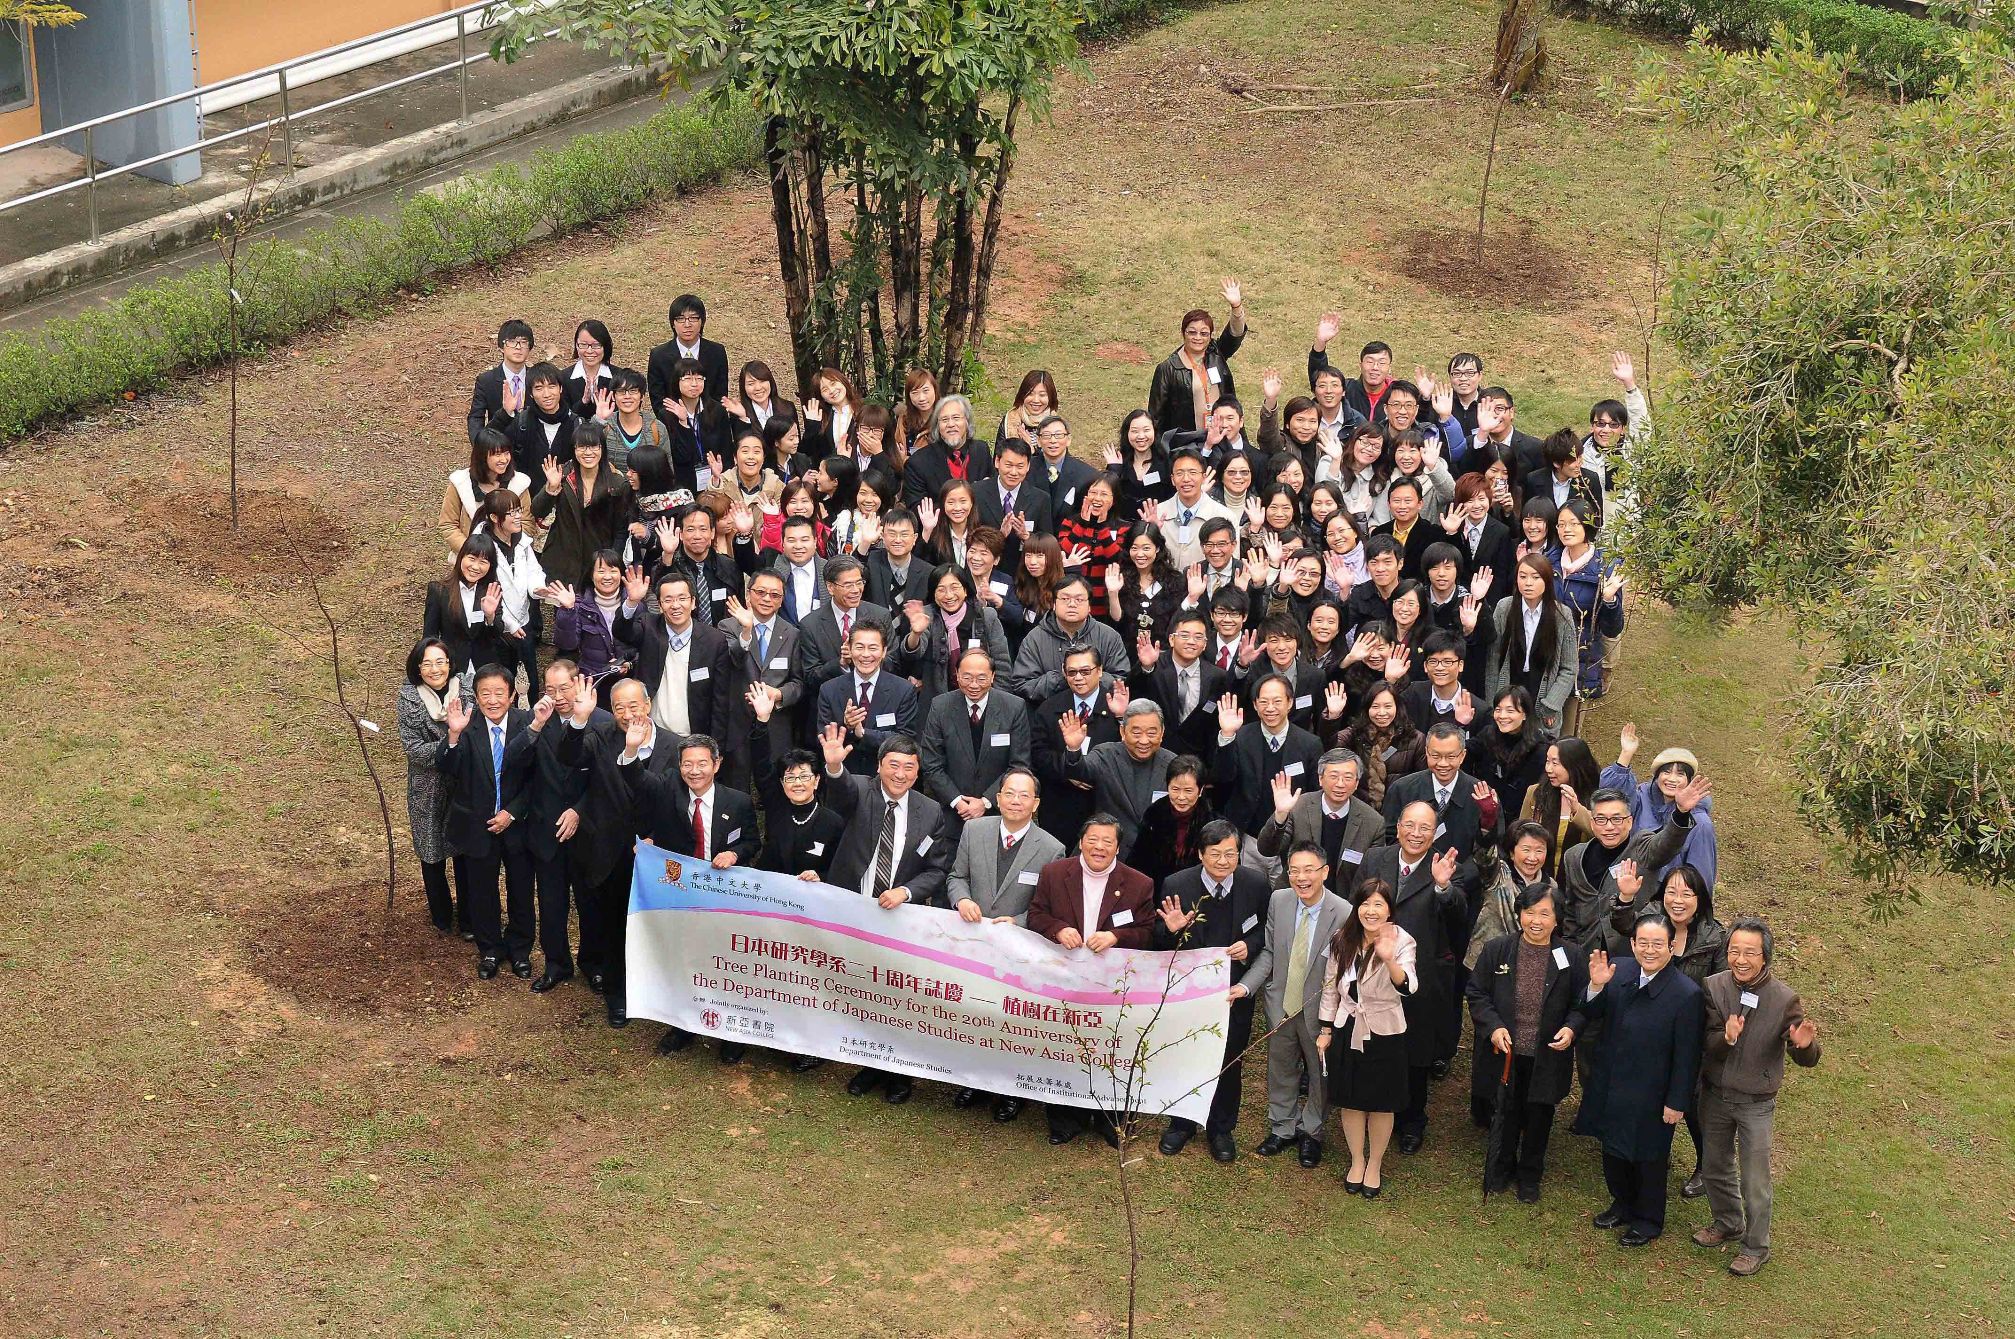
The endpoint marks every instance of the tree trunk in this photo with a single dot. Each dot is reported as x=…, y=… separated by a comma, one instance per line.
x=779, y=155
x=1519, y=61
x=990, y=237
x=903, y=211
x=958, y=297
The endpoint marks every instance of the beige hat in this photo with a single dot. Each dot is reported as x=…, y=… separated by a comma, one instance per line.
x=1683, y=757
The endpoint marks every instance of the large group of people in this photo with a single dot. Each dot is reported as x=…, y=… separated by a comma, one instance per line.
x=1303, y=684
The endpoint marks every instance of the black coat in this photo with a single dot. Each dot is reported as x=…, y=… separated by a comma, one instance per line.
x=1195, y=733
x=710, y=671
x=664, y=810
x=1240, y=917
x=794, y=840
x=660, y=381
x=1647, y=1058
x=1065, y=491
x=558, y=782
x=1493, y=1004
x=468, y=767
x=1031, y=502
x=486, y=402
x=1246, y=768
x=819, y=642
x=891, y=708
x=1439, y=921
x=1154, y=850
x=582, y=525
x=1461, y=825
x=882, y=588
x=926, y=855
x=1171, y=399
x=531, y=443
x=930, y=469
x=1066, y=805
x=469, y=644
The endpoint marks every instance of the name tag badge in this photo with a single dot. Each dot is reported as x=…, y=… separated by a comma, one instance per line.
x=1151, y=477
x=972, y=643
x=1250, y=921
x=1292, y=769
x=780, y=662
x=1120, y=918
x=999, y=587
x=1304, y=701
x=1003, y=741
x=732, y=837
x=1158, y=795
x=924, y=846
x=1351, y=857
x=1750, y=999
x=1389, y=751
x=1560, y=957
x=719, y=596
x=703, y=672
x=1440, y=831
x=885, y=720
x=816, y=848
x=1070, y=497
x=1182, y=534
x=1216, y=378
x=1027, y=876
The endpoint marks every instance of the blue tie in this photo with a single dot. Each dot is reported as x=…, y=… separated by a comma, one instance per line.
x=762, y=648
x=497, y=761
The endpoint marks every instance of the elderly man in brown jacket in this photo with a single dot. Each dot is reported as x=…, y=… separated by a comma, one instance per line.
x=1753, y=1021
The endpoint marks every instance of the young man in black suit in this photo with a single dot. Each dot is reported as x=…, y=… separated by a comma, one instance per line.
x=550, y=813
x=1010, y=494
x=1185, y=683
x=500, y=395
x=689, y=323
x=716, y=579
x=1066, y=804
x=685, y=665
x=894, y=850
x=897, y=573
x=487, y=761
x=868, y=702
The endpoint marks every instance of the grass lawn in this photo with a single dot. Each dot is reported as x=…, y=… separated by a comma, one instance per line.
x=244, y=1100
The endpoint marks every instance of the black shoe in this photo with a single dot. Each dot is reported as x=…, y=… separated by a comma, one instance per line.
x=1222, y=1148
x=1496, y=1185
x=597, y=982
x=1410, y=1141
x=468, y=936
x=1371, y=1192
x=548, y=980
x=805, y=1064
x=731, y=1052
x=1695, y=1187
x=619, y=1014
x=1612, y=1217
x=1057, y=1136
x=1106, y=1130
x=487, y=969
x=447, y=929
x=1311, y=1152
x=1632, y=1237
x=1438, y=1070
x=675, y=1039
x=863, y=1083
x=1006, y=1109
x=521, y=968
x=898, y=1091
x=1351, y=1187
x=1271, y=1146
x=1173, y=1138
x=966, y=1097
x=1528, y=1194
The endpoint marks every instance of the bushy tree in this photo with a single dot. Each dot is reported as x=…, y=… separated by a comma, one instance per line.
x=1839, y=439
x=902, y=111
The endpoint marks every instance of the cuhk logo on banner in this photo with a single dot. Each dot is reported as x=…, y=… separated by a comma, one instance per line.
x=712, y=1018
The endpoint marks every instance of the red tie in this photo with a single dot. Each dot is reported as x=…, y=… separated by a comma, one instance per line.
x=1224, y=657
x=976, y=713
x=699, y=830
x=957, y=460
x=1007, y=843
x=1084, y=714
x=846, y=624
x=861, y=694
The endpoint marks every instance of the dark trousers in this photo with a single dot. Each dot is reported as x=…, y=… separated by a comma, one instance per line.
x=1695, y=1130
x=1224, y=1103
x=1458, y=1009
x=494, y=937
x=1528, y=1126
x=605, y=919
x=554, y=897
x=440, y=897
x=1413, y=1120
x=1075, y=1120
x=1637, y=1190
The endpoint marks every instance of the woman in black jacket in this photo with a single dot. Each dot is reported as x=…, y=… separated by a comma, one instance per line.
x=1167, y=841
x=1525, y=995
x=1198, y=374
x=1139, y=463
x=466, y=610
x=1510, y=752
x=586, y=506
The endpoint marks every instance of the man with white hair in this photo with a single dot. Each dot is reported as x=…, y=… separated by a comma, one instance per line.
x=1126, y=775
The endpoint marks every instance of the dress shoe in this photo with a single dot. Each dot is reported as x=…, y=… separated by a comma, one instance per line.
x=1695, y=1187
x=1632, y=1237
x=1310, y=1154
x=1271, y=1146
x=619, y=1014
x=1371, y=1192
x=965, y=1097
x=675, y=1039
x=548, y=979
x=1351, y=1187
x=898, y=1091
x=1410, y=1142
x=805, y=1064
x=863, y=1083
x=731, y=1052
x=1222, y=1148
x=1496, y=1185
x=487, y=969
x=1438, y=1070
x=1173, y=1138
x=597, y=982
x=1528, y=1194
x=1608, y=1218
x=521, y=968
x=1747, y=1262
x=1057, y=1136
x=444, y=929
x=1006, y=1109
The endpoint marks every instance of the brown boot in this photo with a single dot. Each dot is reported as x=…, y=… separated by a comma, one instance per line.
x=1714, y=1235
x=1747, y=1262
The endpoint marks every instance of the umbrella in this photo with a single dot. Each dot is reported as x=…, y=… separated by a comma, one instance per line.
x=1494, y=1145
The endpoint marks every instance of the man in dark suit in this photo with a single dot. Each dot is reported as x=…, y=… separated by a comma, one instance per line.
x=1092, y=902
x=1219, y=903
x=1371, y=599
x=550, y=812
x=970, y=739
x=765, y=649
x=487, y=760
x=1465, y=808
x=1654, y=1017
x=894, y=849
x=1431, y=899
x=1185, y=683
x=1251, y=754
x=1067, y=804
x=1441, y=696
x=1499, y=438
x=1059, y=473
x=1010, y=494
x=1483, y=541
x=716, y=579
x=801, y=569
x=868, y=702
x=897, y=573
x=1408, y=528
x=689, y=322
x=499, y=398
x=824, y=633
x=684, y=664
x=953, y=452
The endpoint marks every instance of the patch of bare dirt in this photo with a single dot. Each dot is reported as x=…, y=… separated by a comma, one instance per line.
x=193, y=525
x=1517, y=267
x=337, y=950
x=1119, y=351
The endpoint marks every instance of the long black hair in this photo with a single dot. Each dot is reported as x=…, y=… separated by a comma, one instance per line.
x=1511, y=655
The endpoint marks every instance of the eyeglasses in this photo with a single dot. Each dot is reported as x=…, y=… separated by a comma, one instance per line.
x=1610, y=820
x=1078, y=671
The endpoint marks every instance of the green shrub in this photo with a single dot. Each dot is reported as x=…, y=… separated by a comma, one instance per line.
x=179, y=324
x=1892, y=49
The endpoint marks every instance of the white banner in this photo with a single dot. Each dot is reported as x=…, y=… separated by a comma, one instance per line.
x=812, y=969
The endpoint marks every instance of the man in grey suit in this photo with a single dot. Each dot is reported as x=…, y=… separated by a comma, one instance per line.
x=1301, y=921
x=994, y=875
x=970, y=739
x=823, y=633
x=1332, y=817
x=1127, y=774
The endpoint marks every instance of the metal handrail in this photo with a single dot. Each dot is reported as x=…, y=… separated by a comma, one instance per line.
x=284, y=121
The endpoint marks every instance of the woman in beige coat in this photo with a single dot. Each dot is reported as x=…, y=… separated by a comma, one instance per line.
x=1369, y=974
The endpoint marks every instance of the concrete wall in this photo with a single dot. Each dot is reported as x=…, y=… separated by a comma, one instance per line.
x=125, y=53
x=233, y=36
